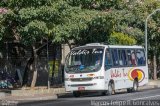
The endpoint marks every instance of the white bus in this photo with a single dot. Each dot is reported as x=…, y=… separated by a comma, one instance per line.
x=105, y=68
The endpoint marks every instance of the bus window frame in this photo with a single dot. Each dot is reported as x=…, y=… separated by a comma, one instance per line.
x=119, y=49
x=105, y=65
x=126, y=54
x=124, y=61
x=112, y=50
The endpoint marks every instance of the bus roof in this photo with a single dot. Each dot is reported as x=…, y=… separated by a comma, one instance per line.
x=108, y=46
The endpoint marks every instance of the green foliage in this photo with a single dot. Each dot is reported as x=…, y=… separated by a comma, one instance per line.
x=98, y=30
x=82, y=21
x=33, y=31
x=57, y=20
x=95, y=4
x=121, y=39
x=18, y=4
x=33, y=20
x=85, y=26
x=75, y=22
x=131, y=18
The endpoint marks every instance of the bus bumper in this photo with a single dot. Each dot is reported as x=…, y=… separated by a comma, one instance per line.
x=87, y=86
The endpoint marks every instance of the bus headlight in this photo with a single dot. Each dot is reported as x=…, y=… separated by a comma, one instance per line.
x=90, y=75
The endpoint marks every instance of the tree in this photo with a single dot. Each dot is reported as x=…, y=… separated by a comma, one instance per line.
x=38, y=22
x=31, y=23
x=98, y=30
x=96, y=4
x=102, y=25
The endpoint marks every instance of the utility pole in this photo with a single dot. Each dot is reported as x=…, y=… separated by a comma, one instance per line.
x=48, y=66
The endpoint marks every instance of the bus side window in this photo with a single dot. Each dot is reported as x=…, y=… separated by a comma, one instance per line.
x=140, y=57
x=115, y=57
x=108, y=59
x=133, y=58
x=121, y=62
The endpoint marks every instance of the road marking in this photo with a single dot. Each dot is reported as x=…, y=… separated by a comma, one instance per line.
x=145, y=97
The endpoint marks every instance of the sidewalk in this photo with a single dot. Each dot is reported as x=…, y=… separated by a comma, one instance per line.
x=151, y=84
x=154, y=83
x=14, y=100
x=22, y=96
x=26, y=96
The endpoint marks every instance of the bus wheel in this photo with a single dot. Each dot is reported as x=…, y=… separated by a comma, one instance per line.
x=111, y=90
x=135, y=86
x=103, y=93
x=76, y=94
x=129, y=90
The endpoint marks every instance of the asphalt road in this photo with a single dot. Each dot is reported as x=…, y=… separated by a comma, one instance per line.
x=140, y=98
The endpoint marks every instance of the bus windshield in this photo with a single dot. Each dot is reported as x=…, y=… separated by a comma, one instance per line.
x=84, y=60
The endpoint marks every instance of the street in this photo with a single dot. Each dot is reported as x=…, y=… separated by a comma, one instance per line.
x=97, y=100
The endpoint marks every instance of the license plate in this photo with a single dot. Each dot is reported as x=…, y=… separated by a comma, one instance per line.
x=81, y=88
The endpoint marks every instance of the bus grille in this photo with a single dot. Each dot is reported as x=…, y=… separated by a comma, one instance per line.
x=81, y=79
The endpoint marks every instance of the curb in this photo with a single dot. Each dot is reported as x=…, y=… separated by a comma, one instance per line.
x=27, y=100
x=52, y=91
x=148, y=87
x=39, y=98
x=33, y=100
x=28, y=103
x=2, y=95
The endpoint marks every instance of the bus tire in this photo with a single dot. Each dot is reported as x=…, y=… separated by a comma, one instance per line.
x=135, y=86
x=104, y=93
x=129, y=90
x=111, y=90
x=76, y=94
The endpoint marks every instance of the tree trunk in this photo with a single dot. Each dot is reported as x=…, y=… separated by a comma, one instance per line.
x=34, y=79
x=155, y=67
x=36, y=52
x=26, y=71
x=30, y=61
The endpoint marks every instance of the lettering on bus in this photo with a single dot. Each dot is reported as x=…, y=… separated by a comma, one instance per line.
x=124, y=74
x=79, y=52
x=117, y=73
x=131, y=74
x=85, y=52
x=95, y=51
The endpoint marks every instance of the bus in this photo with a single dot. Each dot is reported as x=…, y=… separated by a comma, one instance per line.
x=105, y=68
